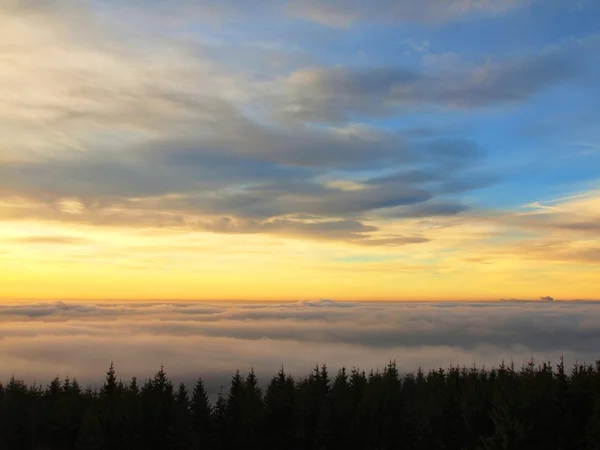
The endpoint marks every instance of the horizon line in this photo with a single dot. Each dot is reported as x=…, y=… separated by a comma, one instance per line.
x=167, y=300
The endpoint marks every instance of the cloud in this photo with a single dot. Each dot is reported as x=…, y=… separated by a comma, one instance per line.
x=339, y=13
x=431, y=210
x=394, y=241
x=331, y=229
x=336, y=13
x=325, y=303
x=106, y=121
x=336, y=94
x=577, y=249
x=144, y=139
x=198, y=188
x=50, y=240
x=576, y=215
x=41, y=340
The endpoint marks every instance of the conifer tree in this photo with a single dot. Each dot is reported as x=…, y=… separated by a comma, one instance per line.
x=202, y=421
x=222, y=439
x=536, y=407
x=391, y=407
x=110, y=410
x=253, y=412
x=91, y=436
x=592, y=428
x=132, y=423
x=280, y=413
x=3, y=431
x=181, y=431
x=17, y=416
x=236, y=419
x=334, y=430
x=158, y=410
x=357, y=386
x=57, y=414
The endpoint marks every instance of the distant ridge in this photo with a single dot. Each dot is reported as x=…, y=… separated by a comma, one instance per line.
x=321, y=303
x=537, y=300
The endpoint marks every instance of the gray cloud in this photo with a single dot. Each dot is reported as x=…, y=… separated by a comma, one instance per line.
x=197, y=187
x=393, y=241
x=327, y=202
x=513, y=79
x=429, y=210
x=174, y=138
x=335, y=94
x=38, y=341
x=341, y=13
x=330, y=229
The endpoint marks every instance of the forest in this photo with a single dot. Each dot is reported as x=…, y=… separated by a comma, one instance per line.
x=535, y=406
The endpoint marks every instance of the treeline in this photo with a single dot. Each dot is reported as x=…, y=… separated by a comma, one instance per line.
x=533, y=407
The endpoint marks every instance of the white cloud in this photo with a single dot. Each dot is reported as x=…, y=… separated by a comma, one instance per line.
x=39, y=341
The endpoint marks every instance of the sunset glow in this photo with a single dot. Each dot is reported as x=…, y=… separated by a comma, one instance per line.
x=299, y=150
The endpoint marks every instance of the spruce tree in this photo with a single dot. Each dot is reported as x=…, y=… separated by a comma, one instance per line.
x=236, y=414
x=253, y=413
x=17, y=416
x=110, y=410
x=158, y=410
x=181, y=431
x=91, y=436
x=202, y=421
x=222, y=438
x=132, y=418
x=280, y=413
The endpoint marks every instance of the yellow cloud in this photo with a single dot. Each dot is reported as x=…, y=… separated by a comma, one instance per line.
x=468, y=258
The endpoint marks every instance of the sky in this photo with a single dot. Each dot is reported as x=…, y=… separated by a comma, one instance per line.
x=47, y=339
x=296, y=150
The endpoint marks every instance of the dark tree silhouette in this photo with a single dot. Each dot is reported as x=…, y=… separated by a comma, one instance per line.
x=280, y=413
x=181, y=430
x=534, y=407
x=202, y=421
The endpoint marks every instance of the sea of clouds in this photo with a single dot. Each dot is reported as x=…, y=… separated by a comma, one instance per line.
x=39, y=341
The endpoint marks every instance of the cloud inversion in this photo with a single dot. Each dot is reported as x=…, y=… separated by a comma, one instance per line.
x=41, y=340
